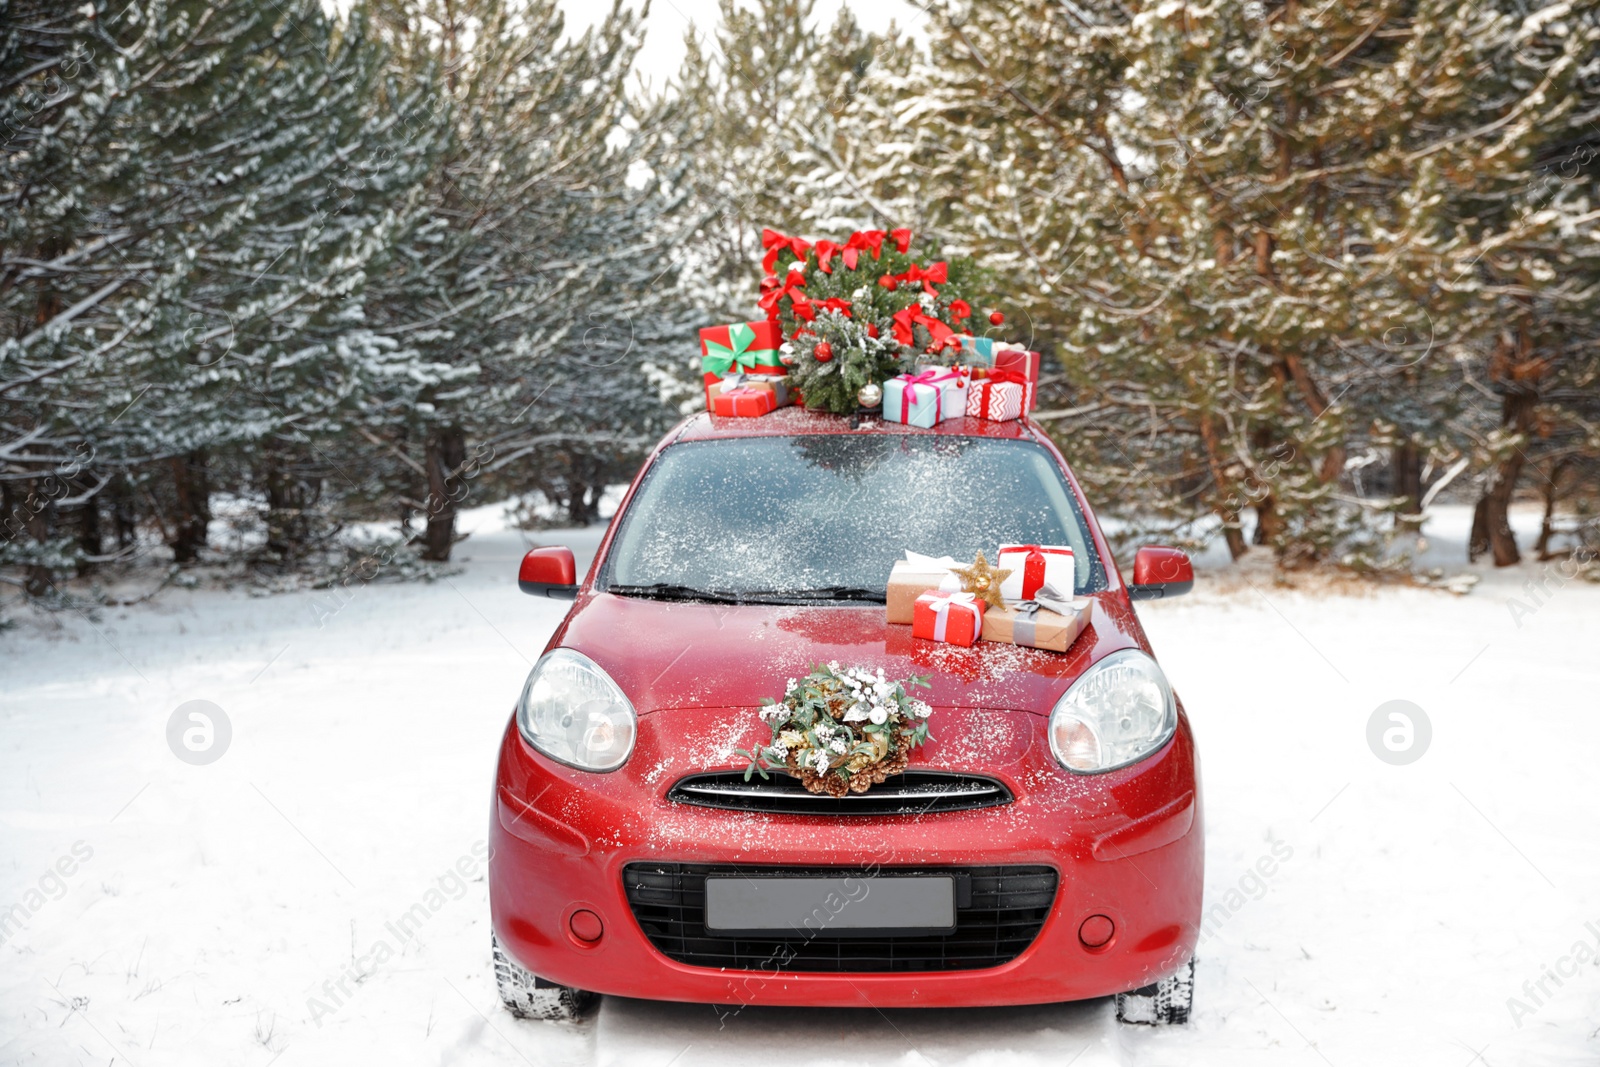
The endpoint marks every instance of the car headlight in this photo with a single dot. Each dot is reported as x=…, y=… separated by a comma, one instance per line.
x=1118, y=712
x=573, y=712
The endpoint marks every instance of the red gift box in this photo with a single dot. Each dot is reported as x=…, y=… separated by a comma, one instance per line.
x=1014, y=365
x=740, y=347
x=747, y=401
x=953, y=618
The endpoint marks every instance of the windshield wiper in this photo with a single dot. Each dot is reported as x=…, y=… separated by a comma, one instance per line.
x=669, y=591
x=822, y=593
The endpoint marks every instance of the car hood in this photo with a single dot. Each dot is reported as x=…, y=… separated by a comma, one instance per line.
x=669, y=654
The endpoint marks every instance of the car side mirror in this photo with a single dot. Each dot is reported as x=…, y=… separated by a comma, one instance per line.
x=1160, y=572
x=550, y=572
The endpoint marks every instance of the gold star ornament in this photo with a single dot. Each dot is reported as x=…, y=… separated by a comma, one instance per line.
x=982, y=580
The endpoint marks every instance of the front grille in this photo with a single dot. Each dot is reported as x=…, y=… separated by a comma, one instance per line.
x=999, y=911
x=911, y=793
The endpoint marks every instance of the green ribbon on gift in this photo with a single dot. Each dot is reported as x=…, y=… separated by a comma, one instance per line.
x=719, y=359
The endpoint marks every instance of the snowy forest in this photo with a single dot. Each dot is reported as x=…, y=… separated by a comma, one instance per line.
x=1298, y=270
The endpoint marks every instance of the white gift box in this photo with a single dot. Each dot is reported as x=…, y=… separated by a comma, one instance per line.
x=1032, y=566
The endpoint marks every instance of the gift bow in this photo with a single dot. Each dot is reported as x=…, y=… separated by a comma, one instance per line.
x=775, y=242
x=1025, y=627
x=1047, y=597
x=941, y=611
x=835, y=303
x=930, y=378
x=901, y=239
x=951, y=582
x=773, y=291
x=720, y=359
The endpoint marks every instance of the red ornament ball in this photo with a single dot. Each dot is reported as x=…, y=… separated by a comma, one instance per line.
x=823, y=351
x=888, y=282
x=995, y=318
x=952, y=342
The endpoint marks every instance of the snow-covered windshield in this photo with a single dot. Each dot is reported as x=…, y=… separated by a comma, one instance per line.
x=832, y=512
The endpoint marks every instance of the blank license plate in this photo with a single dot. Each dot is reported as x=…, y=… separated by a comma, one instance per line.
x=848, y=905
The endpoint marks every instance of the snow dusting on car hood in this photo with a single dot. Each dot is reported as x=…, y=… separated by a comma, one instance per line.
x=673, y=654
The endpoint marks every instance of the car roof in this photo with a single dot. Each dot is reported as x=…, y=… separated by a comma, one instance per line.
x=798, y=422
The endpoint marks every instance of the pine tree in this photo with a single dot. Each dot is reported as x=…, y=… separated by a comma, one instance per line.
x=1238, y=221
x=542, y=282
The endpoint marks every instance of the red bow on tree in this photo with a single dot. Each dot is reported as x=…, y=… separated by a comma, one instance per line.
x=901, y=239
x=863, y=241
x=775, y=242
x=907, y=318
x=850, y=251
x=834, y=303
x=931, y=275
x=825, y=253
x=773, y=291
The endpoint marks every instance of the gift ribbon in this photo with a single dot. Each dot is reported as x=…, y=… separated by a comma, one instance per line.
x=1052, y=599
x=720, y=359
x=930, y=378
x=950, y=583
x=1033, y=565
x=901, y=239
x=775, y=242
x=941, y=612
x=1025, y=627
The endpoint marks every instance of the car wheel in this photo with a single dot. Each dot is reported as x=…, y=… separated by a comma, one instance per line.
x=527, y=996
x=1166, y=1003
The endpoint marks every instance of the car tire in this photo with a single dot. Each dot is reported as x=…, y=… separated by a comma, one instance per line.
x=1166, y=1003
x=527, y=996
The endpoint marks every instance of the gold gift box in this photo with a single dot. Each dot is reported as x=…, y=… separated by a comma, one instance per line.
x=1043, y=629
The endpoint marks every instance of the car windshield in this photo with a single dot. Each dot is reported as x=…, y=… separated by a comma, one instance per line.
x=824, y=517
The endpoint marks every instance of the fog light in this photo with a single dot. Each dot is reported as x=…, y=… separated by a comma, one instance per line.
x=1095, y=932
x=585, y=925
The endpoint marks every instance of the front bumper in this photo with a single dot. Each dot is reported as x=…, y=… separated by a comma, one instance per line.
x=1127, y=845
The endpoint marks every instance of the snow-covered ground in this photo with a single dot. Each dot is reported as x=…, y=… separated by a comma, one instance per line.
x=176, y=914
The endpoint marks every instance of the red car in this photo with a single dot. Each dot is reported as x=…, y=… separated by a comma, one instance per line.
x=1045, y=845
